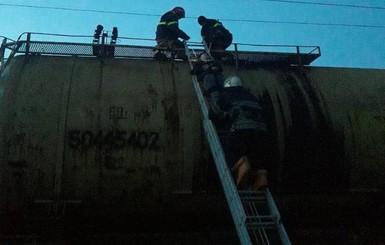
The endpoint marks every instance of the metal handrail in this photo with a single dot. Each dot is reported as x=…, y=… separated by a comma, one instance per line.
x=5, y=61
x=236, y=48
x=281, y=46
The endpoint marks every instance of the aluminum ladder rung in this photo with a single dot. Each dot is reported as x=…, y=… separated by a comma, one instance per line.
x=250, y=193
x=254, y=199
x=260, y=217
x=271, y=225
x=263, y=225
x=253, y=196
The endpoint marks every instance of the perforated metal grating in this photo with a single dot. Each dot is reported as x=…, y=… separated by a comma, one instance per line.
x=83, y=49
x=290, y=55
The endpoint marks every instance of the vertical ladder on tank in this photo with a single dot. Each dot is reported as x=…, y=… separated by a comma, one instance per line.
x=255, y=214
x=207, y=48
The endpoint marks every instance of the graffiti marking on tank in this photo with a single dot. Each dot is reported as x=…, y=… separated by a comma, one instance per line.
x=143, y=115
x=118, y=112
x=116, y=139
x=153, y=96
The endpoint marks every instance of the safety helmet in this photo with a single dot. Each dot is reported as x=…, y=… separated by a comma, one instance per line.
x=202, y=20
x=180, y=11
x=233, y=81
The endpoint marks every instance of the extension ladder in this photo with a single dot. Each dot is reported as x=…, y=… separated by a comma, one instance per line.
x=255, y=215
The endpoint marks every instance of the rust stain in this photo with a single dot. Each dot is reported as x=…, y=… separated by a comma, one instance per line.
x=152, y=95
x=171, y=115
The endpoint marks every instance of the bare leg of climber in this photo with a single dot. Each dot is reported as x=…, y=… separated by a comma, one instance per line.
x=241, y=168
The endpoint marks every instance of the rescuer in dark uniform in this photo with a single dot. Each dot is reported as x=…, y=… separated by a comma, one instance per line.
x=210, y=73
x=217, y=37
x=248, y=133
x=168, y=32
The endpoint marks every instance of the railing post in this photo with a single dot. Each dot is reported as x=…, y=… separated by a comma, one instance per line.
x=103, y=47
x=299, y=55
x=2, y=51
x=28, y=43
x=299, y=59
x=236, y=56
x=10, y=56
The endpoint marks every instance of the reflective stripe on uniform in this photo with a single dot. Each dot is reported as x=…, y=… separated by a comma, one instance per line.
x=172, y=23
x=167, y=23
x=217, y=24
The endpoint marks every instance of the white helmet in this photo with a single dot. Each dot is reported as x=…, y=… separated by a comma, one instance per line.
x=233, y=81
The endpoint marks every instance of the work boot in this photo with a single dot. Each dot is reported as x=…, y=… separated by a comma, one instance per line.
x=242, y=167
x=163, y=45
x=259, y=180
x=159, y=55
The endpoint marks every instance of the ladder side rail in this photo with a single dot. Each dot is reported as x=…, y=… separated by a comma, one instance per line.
x=260, y=236
x=274, y=210
x=257, y=226
x=188, y=54
x=207, y=48
x=2, y=50
x=10, y=57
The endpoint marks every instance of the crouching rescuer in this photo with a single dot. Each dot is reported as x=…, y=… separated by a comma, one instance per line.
x=168, y=32
x=243, y=133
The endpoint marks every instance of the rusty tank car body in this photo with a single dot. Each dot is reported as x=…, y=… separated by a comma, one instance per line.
x=94, y=145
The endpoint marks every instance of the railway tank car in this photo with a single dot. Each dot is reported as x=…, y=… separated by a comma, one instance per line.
x=124, y=136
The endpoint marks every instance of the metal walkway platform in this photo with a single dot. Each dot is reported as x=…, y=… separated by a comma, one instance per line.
x=244, y=54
